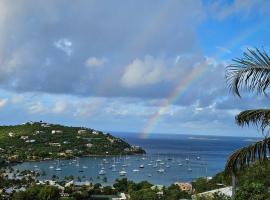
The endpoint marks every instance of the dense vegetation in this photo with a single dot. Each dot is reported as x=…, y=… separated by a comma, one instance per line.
x=37, y=141
x=253, y=183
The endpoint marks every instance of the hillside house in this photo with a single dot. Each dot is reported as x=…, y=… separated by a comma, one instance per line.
x=187, y=187
x=57, y=131
x=54, y=144
x=30, y=141
x=89, y=145
x=82, y=131
x=10, y=134
x=24, y=137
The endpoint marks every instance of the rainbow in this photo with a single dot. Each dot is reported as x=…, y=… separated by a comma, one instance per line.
x=194, y=75
x=182, y=86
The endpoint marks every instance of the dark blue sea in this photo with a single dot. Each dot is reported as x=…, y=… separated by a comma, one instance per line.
x=169, y=158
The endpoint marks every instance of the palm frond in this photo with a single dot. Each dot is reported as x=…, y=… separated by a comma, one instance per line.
x=252, y=72
x=247, y=155
x=259, y=117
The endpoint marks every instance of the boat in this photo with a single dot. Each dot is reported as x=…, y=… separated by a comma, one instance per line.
x=84, y=167
x=81, y=171
x=167, y=166
x=51, y=167
x=189, y=169
x=122, y=173
x=141, y=166
x=198, y=157
x=35, y=166
x=149, y=175
x=161, y=170
x=135, y=170
x=180, y=164
x=102, y=172
x=58, y=168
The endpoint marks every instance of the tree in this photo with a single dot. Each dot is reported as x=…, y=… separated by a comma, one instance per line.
x=251, y=73
x=49, y=193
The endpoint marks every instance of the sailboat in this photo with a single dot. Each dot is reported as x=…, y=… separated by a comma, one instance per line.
x=102, y=172
x=58, y=168
x=160, y=170
x=122, y=172
x=78, y=162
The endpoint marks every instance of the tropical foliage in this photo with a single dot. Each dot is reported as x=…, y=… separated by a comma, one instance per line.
x=250, y=73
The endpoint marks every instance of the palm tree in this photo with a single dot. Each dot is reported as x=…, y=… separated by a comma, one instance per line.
x=250, y=73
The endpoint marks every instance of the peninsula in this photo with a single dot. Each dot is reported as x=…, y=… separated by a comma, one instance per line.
x=33, y=141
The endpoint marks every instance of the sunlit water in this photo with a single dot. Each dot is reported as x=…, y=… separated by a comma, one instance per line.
x=183, y=158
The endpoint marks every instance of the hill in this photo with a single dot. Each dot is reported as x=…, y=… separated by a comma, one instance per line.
x=40, y=141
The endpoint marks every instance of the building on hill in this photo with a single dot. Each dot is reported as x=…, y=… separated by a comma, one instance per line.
x=11, y=134
x=57, y=131
x=187, y=187
x=54, y=144
x=24, y=137
x=89, y=145
x=227, y=191
x=82, y=131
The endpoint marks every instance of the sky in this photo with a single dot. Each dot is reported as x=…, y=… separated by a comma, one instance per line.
x=144, y=66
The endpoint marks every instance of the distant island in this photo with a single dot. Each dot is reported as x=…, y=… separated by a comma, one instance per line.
x=34, y=141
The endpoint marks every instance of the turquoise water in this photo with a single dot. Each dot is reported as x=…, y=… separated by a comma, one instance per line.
x=183, y=158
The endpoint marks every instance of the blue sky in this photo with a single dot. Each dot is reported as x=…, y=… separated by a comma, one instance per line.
x=110, y=65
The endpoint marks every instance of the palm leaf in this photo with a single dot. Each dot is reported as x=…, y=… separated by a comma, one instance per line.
x=247, y=155
x=260, y=118
x=252, y=72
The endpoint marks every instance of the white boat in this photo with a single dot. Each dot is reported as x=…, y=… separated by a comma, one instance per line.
x=189, y=169
x=84, y=167
x=35, y=166
x=198, y=157
x=102, y=172
x=58, y=169
x=161, y=170
x=135, y=170
x=167, y=166
x=180, y=164
x=141, y=166
x=149, y=175
x=51, y=167
x=122, y=173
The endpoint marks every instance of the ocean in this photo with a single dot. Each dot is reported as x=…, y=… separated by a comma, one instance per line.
x=169, y=159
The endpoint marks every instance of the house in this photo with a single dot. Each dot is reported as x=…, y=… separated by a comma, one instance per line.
x=110, y=139
x=68, y=151
x=187, y=187
x=57, y=131
x=227, y=191
x=30, y=141
x=159, y=188
x=89, y=145
x=54, y=144
x=82, y=131
x=46, y=125
x=95, y=132
x=24, y=137
x=10, y=134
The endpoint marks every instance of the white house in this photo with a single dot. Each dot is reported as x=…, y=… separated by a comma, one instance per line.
x=82, y=131
x=209, y=194
x=24, y=137
x=89, y=145
x=122, y=197
x=57, y=131
x=10, y=134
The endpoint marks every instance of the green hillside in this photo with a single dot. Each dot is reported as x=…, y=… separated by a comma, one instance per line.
x=39, y=141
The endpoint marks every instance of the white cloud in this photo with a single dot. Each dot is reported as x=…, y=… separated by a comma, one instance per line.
x=59, y=107
x=65, y=45
x=37, y=108
x=144, y=72
x=93, y=62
